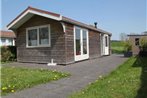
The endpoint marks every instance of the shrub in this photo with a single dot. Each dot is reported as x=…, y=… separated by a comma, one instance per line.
x=143, y=47
x=143, y=44
x=8, y=53
x=127, y=46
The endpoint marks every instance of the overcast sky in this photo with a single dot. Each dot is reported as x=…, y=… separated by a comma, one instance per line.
x=115, y=16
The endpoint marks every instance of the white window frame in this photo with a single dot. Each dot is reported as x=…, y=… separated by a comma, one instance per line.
x=105, y=48
x=38, y=45
x=82, y=56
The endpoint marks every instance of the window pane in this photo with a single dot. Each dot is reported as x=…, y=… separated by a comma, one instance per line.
x=106, y=41
x=43, y=36
x=32, y=37
x=78, y=43
x=137, y=41
x=3, y=40
x=84, y=42
x=10, y=41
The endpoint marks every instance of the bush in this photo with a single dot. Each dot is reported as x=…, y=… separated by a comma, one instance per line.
x=143, y=53
x=8, y=53
x=143, y=44
x=143, y=47
x=127, y=46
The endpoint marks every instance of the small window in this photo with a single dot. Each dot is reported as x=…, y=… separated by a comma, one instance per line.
x=137, y=41
x=38, y=36
x=106, y=41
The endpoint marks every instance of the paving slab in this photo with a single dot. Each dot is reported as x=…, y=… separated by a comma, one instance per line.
x=82, y=73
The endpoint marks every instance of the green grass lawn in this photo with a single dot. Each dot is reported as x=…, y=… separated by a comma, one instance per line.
x=128, y=81
x=6, y=62
x=117, y=47
x=15, y=78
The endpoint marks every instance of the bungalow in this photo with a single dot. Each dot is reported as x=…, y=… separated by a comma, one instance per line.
x=135, y=39
x=44, y=36
x=7, y=38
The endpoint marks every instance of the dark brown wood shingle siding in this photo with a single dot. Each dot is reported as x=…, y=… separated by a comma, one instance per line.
x=69, y=42
x=94, y=44
x=42, y=54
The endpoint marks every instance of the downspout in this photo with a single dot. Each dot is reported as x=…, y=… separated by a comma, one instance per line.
x=63, y=26
x=52, y=60
x=64, y=31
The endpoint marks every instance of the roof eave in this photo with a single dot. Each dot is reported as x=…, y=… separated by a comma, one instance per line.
x=86, y=26
x=27, y=14
x=137, y=35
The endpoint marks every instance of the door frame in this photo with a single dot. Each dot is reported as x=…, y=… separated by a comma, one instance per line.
x=82, y=56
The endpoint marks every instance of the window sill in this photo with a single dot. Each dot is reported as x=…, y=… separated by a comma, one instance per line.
x=37, y=46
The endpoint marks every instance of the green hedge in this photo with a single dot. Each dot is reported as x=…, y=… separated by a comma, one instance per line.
x=8, y=53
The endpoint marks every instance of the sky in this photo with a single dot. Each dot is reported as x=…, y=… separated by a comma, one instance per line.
x=115, y=16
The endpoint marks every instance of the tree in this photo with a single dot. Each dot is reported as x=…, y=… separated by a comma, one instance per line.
x=123, y=36
x=143, y=43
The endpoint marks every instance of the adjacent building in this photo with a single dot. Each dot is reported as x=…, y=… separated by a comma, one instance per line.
x=135, y=40
x=7, y=38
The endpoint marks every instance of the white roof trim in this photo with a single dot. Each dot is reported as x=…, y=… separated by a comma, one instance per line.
x=13, y=23
x=35, y=13
x=46, y=15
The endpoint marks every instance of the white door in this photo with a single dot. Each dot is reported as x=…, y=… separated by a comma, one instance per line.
x=106, y=44
x=81, y=44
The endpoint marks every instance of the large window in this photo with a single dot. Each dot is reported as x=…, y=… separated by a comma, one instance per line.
x=78, y=41
x=84, y=42
x=38, y=36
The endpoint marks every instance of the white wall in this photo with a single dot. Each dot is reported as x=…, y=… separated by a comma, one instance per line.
x=7, y=42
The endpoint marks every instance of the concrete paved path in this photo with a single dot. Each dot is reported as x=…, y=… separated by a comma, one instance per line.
x=82, y=73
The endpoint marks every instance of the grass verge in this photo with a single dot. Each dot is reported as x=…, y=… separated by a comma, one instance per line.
x=128, y=81
x=117, y=47
x=6, y=62
x=15, y=78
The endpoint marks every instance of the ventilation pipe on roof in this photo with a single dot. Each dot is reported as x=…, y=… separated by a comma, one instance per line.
x=95, y=24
